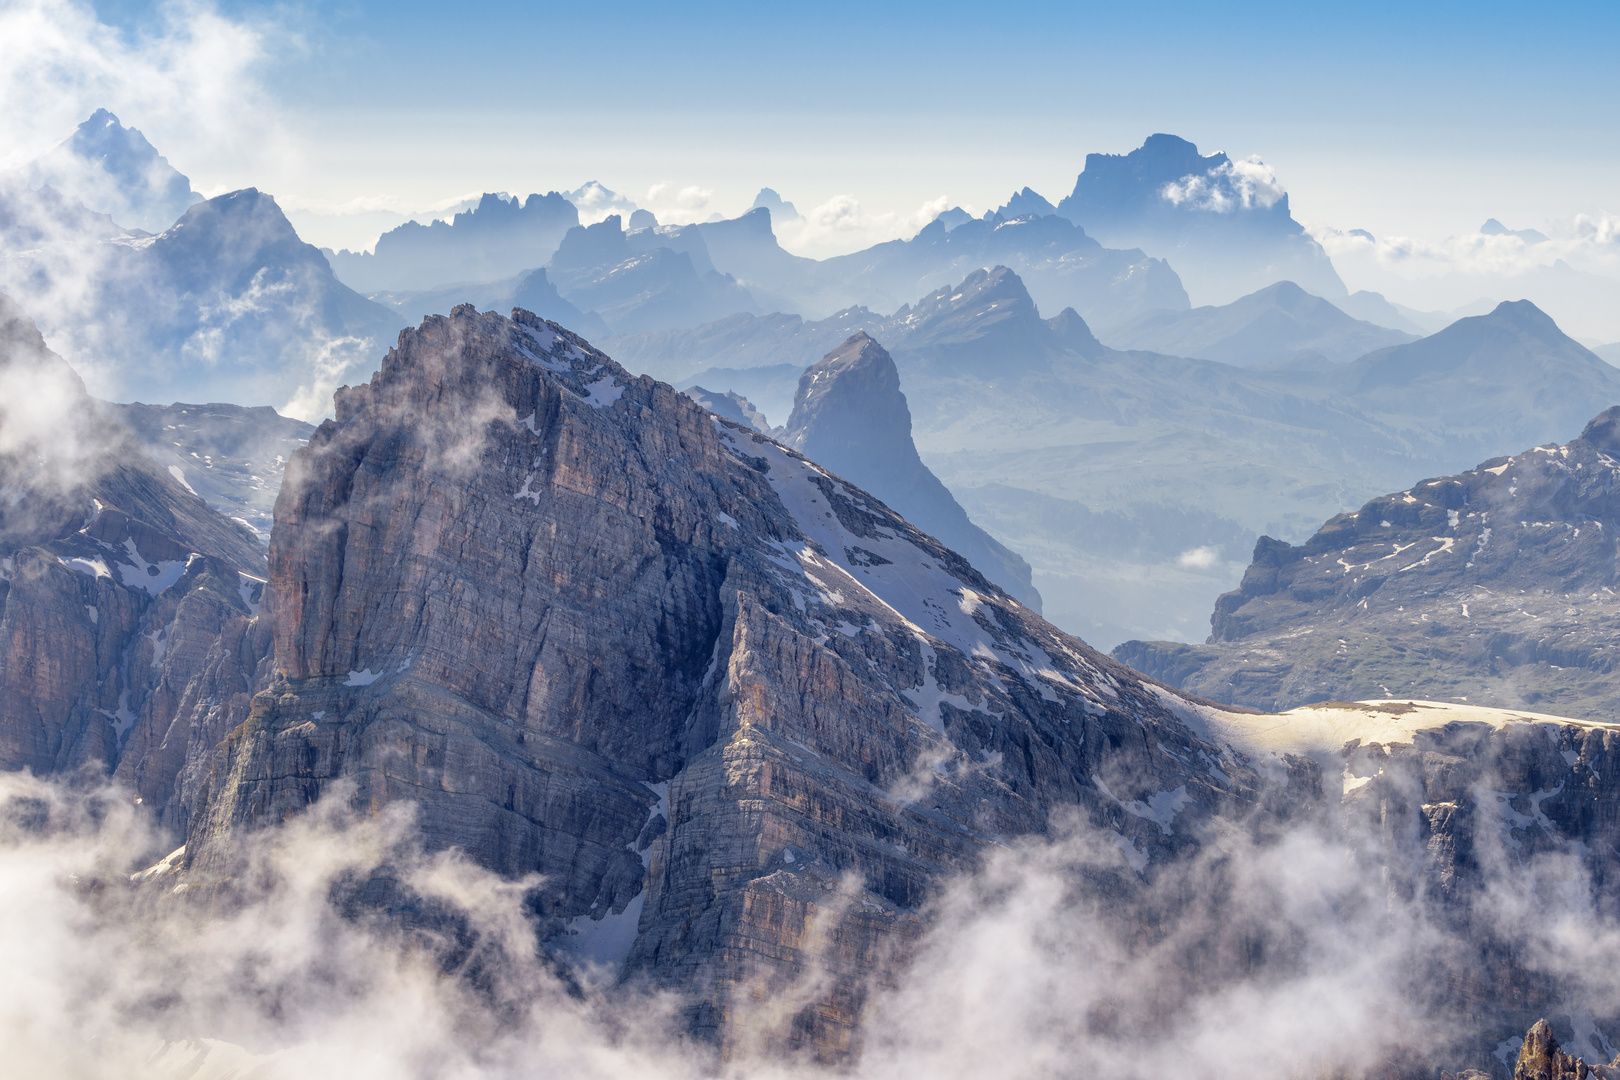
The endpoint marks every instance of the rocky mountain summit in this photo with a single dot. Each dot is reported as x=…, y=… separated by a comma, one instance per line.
x=744, y=720
x=1496, y=586
x=800, y=686
x=113, y=170
x=1224, y=225
x=851, y=416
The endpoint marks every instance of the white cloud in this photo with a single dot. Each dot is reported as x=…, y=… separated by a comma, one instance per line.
x=1199, y=558
x=190, y=81
x=1573, y=275
x=1233, y=186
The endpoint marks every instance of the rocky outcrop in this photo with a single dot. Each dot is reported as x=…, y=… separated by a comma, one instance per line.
x=1494, y=586
x=851, y=416
x=118, y=586
x=230, y=455
x=731, y=406
x=731, y=706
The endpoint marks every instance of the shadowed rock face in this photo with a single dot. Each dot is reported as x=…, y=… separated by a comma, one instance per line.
x=1496, y=586
x=687, y=675
x=117, y=586
x=851, y=416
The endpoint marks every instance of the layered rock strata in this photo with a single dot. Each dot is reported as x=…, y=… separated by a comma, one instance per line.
x=118, y=588
x=726, y=702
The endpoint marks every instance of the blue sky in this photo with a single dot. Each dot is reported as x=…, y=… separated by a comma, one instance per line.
x=1421, y=119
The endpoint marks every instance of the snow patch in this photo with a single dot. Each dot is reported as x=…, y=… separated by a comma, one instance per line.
x=363, y=677
x=153, y=577
x=603, y=392
x=1134, y=855
x=249, y=587
x=180, y=475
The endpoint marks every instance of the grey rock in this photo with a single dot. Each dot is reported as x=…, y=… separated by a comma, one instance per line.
x=851, y=416
x=1495, y=586
x=525, y=590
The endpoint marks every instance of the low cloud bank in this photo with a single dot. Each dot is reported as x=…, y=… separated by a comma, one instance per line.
x=341, y=947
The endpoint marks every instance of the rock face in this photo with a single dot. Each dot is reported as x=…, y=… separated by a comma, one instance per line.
x=230, y=455
x=743, y=718
x=1495, y=586
x=1541, y=1058
x=727, y=703
x=118, y=588
x=851, y=417
x=1224, y=225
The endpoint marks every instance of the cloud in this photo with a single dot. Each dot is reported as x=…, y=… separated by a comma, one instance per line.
x=1573, y=275
x=842, y=224
x=340, y=946
x=1227, y=188
x=190, y=78
x=596, y=202
x=1199, y=558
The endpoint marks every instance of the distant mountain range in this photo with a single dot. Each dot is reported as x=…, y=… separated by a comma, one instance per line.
x=495, y=239
x=1135, y=482
x=1280, y=324
x=227, y=304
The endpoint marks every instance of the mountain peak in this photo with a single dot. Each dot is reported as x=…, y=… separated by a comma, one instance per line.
x=851, y=416
x=779, y=208
x=114, y=170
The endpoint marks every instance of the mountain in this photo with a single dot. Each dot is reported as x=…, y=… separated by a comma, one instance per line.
x=1501, y=380
x=728, y=724
x=1224, y=225
x=1495, y=586
x=1373, y=308
x=1026, y=203
x=1281, y=323
x=230, y=455
x=1609, y=353
x=531, y=290
x=1135, y=483
x=658, y=289
x=851, y=416
x=670, y=665
x=498, y=238
x=115, y=579
x=226, y=305
x=773, y=203
x=731, y=406
x=113, y=170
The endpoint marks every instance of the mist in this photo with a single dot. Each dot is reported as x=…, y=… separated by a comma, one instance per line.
x=340, y=946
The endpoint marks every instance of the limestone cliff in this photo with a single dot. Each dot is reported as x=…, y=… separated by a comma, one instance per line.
x=116, y=583
x=726, y=702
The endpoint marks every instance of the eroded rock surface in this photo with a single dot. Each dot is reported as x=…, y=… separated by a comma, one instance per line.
x=727, y=703
x=117, y=588
x=1495, y=586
